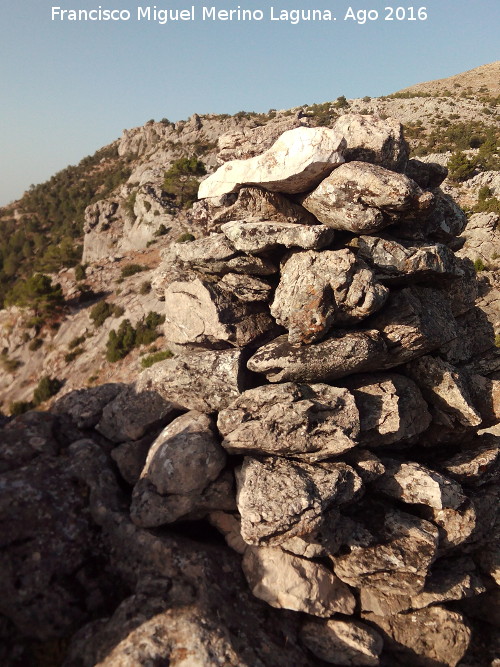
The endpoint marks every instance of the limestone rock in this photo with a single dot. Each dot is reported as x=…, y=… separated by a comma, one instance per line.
x=215, y=254
x=307, y=422
x=444, y=386
x=425, y=638
x=428, y=175
x=85, y=406
x=318, y=290
x=279, y=499
x=482, y=238
x=245, y=288
x=443, y=223
x=364, y=198
x=249, y=203
x=342, y=642
x=229, y=525
x=342, y=354
x=485, y=394
x=254, y=237
x=399, y=561
x=201, y=314
x=130, y=458
x=207, y=380
x=290, y=582
x=414, y=483
x=393, y=261
x=27, y=437
x=475, y=464
x=134, y=413
x=456, y=526
x=368, y=466
x=371, y=139
x=415, y=320
x=391, y=408
x=296, y=162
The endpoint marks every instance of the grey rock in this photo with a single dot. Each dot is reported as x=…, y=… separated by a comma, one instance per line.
x=254, y=237
x=482, y=238
x=429, y=175
x=27, y=437
x=475, y=464
x=214, y=254
x=456, y=526
x=296, y=162
x=444, y=386
x=425, y=638
x=443, y=223
x=342, y=642
x=249, y=203
x=130, y=458
x=364, y=198
x=368, y=466
x=245, y=288
x=391, y=408
x=306, y=422
x=371, y=139
x=85, y=406
x=183, y=460
x=399, y=560
x=414, y=483
x=290, y=582
x=134, y=413
x=279, y=499
x=393, y=261
x=207, y=380
x=344, y=353
x=415, y=320
x=200, y=313
x=318, y=290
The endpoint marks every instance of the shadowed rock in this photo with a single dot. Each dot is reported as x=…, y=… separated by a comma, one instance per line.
x=342, y=642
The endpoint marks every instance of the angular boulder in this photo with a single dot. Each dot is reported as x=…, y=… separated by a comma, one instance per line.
x=318, y=290
x=279, y=499
x=299, y=160
x=200, y=314
x=342, y=354
x=208, y=380
x=391, y=408
x=290, y=582
x=371, y=139
x=254, y=237
x=306, y=422
x=443, y=223
x=364, y=198
x=245, y=287
x=342, y=642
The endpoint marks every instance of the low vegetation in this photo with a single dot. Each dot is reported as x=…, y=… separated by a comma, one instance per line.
x=150, y=359
x=181, y=181
x=127, y=337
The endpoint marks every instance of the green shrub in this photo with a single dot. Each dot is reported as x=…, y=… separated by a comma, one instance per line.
x=126, y=337
x=17, y=408
x=100, y=313
x=71, y=356
x=46, y=388
x=118, y=310
x=35, y=344
x=460, y=168
x=80, y=272
x=479, y=265
x=150, y=359
x=9, y=365
x=161, y=231
x=78, y=340
x=487, y=203
x=341, y=102
x=38, y=293
x=185, y=238
x=181, y=182
x=130, y=203
x=131, y=269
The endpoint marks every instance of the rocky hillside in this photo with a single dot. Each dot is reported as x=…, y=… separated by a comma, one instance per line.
x=484, y=80
x=261, y=428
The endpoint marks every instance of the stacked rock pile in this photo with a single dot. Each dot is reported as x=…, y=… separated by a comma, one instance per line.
x=324, y=333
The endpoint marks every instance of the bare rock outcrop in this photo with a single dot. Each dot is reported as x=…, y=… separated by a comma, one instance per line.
x=254, y=237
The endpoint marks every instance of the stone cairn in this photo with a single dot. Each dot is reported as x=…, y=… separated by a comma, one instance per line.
x=321, y=409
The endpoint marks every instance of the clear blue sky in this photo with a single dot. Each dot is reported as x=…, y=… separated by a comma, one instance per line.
x=69, y=88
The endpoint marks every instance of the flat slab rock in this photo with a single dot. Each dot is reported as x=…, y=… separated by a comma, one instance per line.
x=371, y=139
x=364, y=198
x=306, y=422
x=296, y=162
x=278, y=499
x=319, y=290
x=342, y=642
x=342, y=354
x=290, y=582
x=254, y=237
x=425, y=638
x=199, y=313
x=208, y=380
x=394, y=261
x=391, y=408
x=414, y=483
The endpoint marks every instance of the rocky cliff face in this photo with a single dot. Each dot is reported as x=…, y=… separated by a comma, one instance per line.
x=312, y=479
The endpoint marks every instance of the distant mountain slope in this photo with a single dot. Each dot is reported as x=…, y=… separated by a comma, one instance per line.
x=484, y=79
